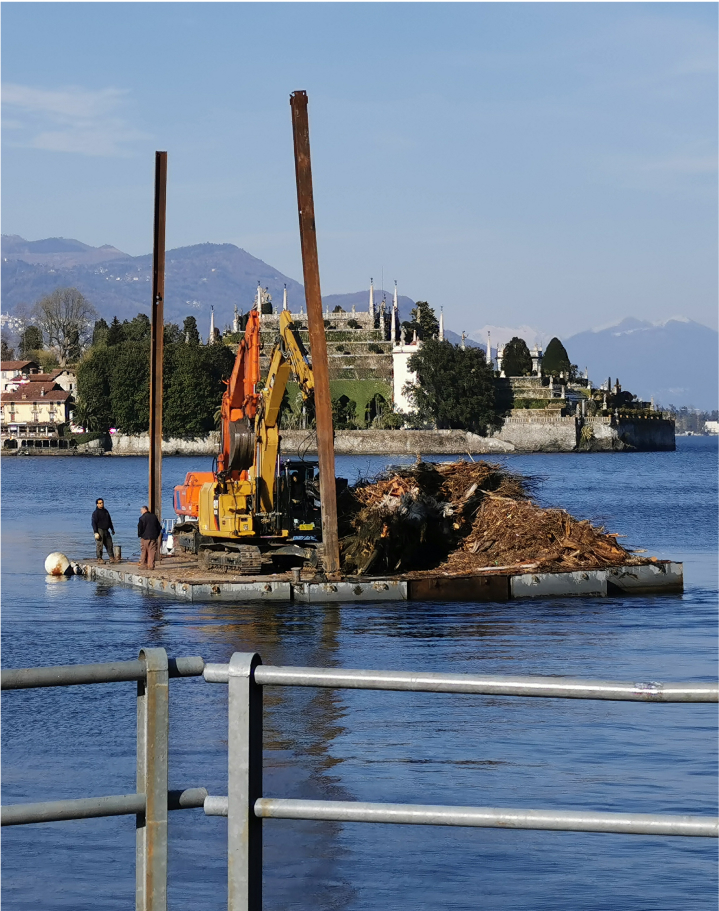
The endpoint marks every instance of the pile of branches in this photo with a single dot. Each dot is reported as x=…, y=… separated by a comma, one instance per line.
x=463, y=516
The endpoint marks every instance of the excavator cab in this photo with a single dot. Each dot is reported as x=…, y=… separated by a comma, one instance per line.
x=298, y=499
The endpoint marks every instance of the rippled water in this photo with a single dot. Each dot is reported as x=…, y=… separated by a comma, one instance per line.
x=399, y=747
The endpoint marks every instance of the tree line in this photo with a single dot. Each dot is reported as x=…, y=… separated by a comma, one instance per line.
x=113, y=365
x=455, y=385
x=113, y=379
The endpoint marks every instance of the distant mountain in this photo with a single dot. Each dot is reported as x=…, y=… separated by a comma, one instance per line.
x=56, y=251
x=502, y=334
x=196, y=278
x=676, y=361
x=219, y=275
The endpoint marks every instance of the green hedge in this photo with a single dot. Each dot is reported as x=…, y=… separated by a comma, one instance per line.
x=531, y=403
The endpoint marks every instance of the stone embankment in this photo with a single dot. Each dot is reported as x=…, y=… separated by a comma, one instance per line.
x=524, y=431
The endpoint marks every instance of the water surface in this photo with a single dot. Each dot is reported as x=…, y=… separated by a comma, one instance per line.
x=415, y=748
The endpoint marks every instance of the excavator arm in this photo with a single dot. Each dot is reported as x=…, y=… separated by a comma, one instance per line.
x=288, y=356
x=237, y=414
x=240, y=402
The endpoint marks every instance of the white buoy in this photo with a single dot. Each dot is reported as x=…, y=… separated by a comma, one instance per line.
x=57, y=564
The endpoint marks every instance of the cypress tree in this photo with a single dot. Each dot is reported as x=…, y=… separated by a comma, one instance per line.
x=516, y=360
x=556, y=360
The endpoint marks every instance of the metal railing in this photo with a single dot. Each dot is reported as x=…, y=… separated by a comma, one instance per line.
x=152, y=800
x=245, y=806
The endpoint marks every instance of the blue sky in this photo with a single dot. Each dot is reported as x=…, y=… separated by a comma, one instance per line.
x=550, y=165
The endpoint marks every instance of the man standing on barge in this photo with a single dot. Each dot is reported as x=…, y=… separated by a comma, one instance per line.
x=102, y=527
x=148, y=531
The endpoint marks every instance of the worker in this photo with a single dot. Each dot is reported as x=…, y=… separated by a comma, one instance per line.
x=103, y=529
x=148, y=531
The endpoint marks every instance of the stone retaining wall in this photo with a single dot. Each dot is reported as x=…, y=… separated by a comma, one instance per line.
x=652, y=435
x=397, y=442
x=140, y=445
x=540, y=433
x=527, y=433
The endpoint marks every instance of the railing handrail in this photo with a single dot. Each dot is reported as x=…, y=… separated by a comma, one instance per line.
x=20, y=814
x=476, y=817
x=435, y=682
x=109, y=672
x=554, y=687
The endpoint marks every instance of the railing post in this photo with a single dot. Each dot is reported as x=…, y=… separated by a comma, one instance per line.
x=152, y=739
x=244, y=785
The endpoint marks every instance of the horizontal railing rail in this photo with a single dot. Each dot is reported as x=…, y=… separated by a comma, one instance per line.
x=20, y=814
x=77, y=674
x=152, y=801
x=478, y=817
x=424, y=682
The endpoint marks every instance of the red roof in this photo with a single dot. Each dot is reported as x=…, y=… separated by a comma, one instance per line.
x=47, y=378
x=31, y=392
x=17, y=365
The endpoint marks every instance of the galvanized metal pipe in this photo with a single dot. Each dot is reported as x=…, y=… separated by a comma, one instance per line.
x=153, y=723
x=191, y=666
x=488, y=817
x=84, y=808
x=244, y=785
x=110, y=672
x=72, y=674
x=93, y=807
x=216, y=806
x=189, y=799
x=426, y=682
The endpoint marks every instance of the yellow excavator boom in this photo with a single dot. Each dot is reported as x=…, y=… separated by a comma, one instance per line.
x=287, y=356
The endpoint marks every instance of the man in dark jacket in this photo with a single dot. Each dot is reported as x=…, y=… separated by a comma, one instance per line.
x=148, y=531
x=102, y=527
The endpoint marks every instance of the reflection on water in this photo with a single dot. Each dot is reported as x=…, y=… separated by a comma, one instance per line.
x=405, y=747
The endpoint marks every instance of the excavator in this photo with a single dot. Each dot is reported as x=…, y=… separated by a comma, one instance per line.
x=254, y=508
x=237, y=415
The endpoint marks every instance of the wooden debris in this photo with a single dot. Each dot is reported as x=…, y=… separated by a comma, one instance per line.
x=464, y=517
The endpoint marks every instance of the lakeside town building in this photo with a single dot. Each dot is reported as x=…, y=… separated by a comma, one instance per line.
x=10, y=370
x=35, y=410
x=35, y=406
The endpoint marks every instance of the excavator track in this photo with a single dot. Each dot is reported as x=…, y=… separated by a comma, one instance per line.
x=245, y=560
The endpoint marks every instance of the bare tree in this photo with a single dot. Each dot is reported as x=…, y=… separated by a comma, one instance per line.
x=66, y=319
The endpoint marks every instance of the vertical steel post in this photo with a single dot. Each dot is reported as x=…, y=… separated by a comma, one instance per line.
x=244, y=785
x=157, y=335
x=315, y=324
x=152, y=749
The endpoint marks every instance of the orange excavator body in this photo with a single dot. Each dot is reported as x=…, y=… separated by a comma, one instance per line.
x=237, y=414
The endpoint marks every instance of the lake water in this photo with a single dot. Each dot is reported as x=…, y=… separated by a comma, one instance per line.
x=395, y=747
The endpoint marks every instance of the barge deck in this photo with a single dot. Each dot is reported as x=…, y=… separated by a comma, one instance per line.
x=183, y=579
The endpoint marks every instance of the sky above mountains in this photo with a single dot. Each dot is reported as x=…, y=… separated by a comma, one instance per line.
x=548, y=165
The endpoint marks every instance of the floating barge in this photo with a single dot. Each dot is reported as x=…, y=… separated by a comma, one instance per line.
x=182, y=578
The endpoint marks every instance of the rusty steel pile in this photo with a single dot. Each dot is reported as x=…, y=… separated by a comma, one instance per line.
x=463, y=517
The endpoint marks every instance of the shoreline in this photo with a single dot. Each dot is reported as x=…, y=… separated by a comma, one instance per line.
x=518, y=435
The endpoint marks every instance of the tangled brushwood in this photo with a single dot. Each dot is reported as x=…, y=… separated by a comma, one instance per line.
x=461, y=517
